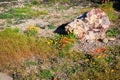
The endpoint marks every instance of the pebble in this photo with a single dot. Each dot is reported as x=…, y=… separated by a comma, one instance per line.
x=105, y=40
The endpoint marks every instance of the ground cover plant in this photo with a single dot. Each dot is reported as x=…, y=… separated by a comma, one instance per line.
x=21, y=13
x=77, y=65
x=113, y=32
x=26, y=55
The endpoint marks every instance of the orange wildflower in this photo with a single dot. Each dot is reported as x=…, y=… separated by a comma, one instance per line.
x=63, y=45
x=99, y=50
x=105, y=49
x=55, y=78
x=105, y=55
x=72, y=40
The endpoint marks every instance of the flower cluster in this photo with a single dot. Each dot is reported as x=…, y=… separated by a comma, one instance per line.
x=32, y=30
x=62, y=41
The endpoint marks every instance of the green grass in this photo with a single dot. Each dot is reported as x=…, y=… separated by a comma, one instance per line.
x=46, y=74
x=62, y=1
x=113, y=32
x=51, y=26
x=21, y=13
x=7, y=0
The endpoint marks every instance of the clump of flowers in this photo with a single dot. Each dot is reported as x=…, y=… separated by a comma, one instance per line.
x=98, y=51
x=62, y=41
x=32, y=30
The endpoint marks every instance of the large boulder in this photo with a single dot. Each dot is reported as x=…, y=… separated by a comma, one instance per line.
x=91, y=25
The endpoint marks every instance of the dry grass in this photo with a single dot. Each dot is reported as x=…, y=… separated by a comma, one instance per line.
x=101, y=63
x=15, y=46
x=109, y=10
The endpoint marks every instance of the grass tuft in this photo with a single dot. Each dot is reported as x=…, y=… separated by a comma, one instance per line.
x=109, y=10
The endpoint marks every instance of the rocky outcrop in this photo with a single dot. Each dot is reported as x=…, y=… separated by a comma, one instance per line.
x=91, y=25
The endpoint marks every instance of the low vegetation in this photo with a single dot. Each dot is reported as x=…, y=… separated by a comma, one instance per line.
x=55, y=58
x=14, y=46
x=21, y=13
x=25, y=56
x=113, y=32
x=109, y=10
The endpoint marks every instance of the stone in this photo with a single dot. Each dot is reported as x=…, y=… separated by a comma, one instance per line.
x=105, y=40
x=4, y=76
x=91, y=25
x=111, y=38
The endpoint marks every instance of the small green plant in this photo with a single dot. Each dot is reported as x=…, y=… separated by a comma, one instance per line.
x=113, y=32
x=51, y=26
x=73, y=70
x=30, y=63
x=35, y=2
x=61, y=54
x=45, y=74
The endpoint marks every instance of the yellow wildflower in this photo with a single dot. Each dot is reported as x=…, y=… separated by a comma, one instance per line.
x=106, y=71
x=112, y=70
x=86, y=60
x=49, y=43
x=99, y=57
x=93, y=62
x=36, y=29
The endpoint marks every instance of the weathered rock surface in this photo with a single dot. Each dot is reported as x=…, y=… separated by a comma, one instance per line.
x=91, y=25
x=4, y=76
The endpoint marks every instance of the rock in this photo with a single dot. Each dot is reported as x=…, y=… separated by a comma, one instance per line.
x=111, y=38
x=105, y=40
x=4, y=76
x=2, y=22
x=91, y=25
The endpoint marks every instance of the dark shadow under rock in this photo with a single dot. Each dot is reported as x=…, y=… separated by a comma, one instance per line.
x=83, y=16
x=61, y=29
x=116, y=5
